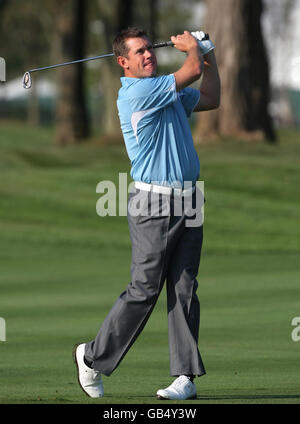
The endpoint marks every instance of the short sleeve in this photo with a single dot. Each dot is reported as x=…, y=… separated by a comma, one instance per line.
x=189, y=98
x=152, y=93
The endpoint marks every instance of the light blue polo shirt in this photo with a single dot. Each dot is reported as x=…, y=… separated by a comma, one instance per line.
x=157, y=135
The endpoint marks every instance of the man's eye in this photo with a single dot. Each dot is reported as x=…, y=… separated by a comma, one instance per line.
x=142, y=51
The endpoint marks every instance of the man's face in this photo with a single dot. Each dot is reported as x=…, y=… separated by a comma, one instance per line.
x=140, y=61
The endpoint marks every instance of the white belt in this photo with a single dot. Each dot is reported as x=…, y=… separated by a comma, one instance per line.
x=178, y=192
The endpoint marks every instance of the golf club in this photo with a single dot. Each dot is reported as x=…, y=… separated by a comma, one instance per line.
x=27, y=80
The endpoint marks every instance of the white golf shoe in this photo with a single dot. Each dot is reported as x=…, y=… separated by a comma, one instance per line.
x=181, y=389
x=89, y=379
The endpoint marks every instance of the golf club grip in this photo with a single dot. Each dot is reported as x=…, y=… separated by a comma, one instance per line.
x=163, y=44
x=170, y=44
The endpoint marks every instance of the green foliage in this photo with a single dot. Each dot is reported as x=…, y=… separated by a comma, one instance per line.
x=25, y=31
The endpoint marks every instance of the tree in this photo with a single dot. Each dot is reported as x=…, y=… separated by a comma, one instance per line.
x=27, y=47
x=235, y=28
x=115, y=15
x=3, y=3
x=71, y=113
x=280, y=33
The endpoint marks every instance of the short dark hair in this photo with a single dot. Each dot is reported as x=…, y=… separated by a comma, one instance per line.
x=120, y=47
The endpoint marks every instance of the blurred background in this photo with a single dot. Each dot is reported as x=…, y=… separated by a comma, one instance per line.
x=257, y=51
x=62, y=266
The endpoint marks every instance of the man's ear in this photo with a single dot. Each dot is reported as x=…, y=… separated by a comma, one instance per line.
x=123, y=62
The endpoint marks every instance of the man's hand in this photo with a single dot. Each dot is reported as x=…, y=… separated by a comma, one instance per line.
x=205, y=45
x=184, y=42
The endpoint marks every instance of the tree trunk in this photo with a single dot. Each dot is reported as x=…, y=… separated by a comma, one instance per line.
x=71, y=113
x=234, y=27
x=116, y=15
x=3, y=3
x=153, y=19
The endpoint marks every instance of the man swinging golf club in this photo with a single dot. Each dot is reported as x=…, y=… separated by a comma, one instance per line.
x=154, y=113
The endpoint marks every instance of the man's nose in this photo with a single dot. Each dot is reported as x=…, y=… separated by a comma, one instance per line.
x=148, y=53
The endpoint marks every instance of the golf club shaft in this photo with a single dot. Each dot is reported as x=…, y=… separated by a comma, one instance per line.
x=165, y=44
x=27, y=76
x=155, y=46
x=70, y=63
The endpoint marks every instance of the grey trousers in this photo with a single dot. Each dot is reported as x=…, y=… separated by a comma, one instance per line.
x=164, y=248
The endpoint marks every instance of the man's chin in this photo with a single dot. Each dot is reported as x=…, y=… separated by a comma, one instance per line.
x=153, y=73
x=150, y=70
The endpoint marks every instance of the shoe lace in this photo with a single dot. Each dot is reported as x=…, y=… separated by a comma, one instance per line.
x=178, y=382
x=96, y=375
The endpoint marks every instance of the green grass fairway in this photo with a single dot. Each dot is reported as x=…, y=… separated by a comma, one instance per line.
x=62, y=267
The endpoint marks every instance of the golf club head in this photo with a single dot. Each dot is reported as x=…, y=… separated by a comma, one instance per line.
x=27, y=80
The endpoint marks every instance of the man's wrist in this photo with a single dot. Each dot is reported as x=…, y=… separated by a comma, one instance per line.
x=206, y=46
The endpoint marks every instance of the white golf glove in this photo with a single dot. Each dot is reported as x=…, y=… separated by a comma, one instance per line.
x=205, y=45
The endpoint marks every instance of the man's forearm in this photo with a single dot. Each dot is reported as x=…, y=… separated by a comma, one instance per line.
x=193, y=66
x=191, y=69
x=210, y=86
